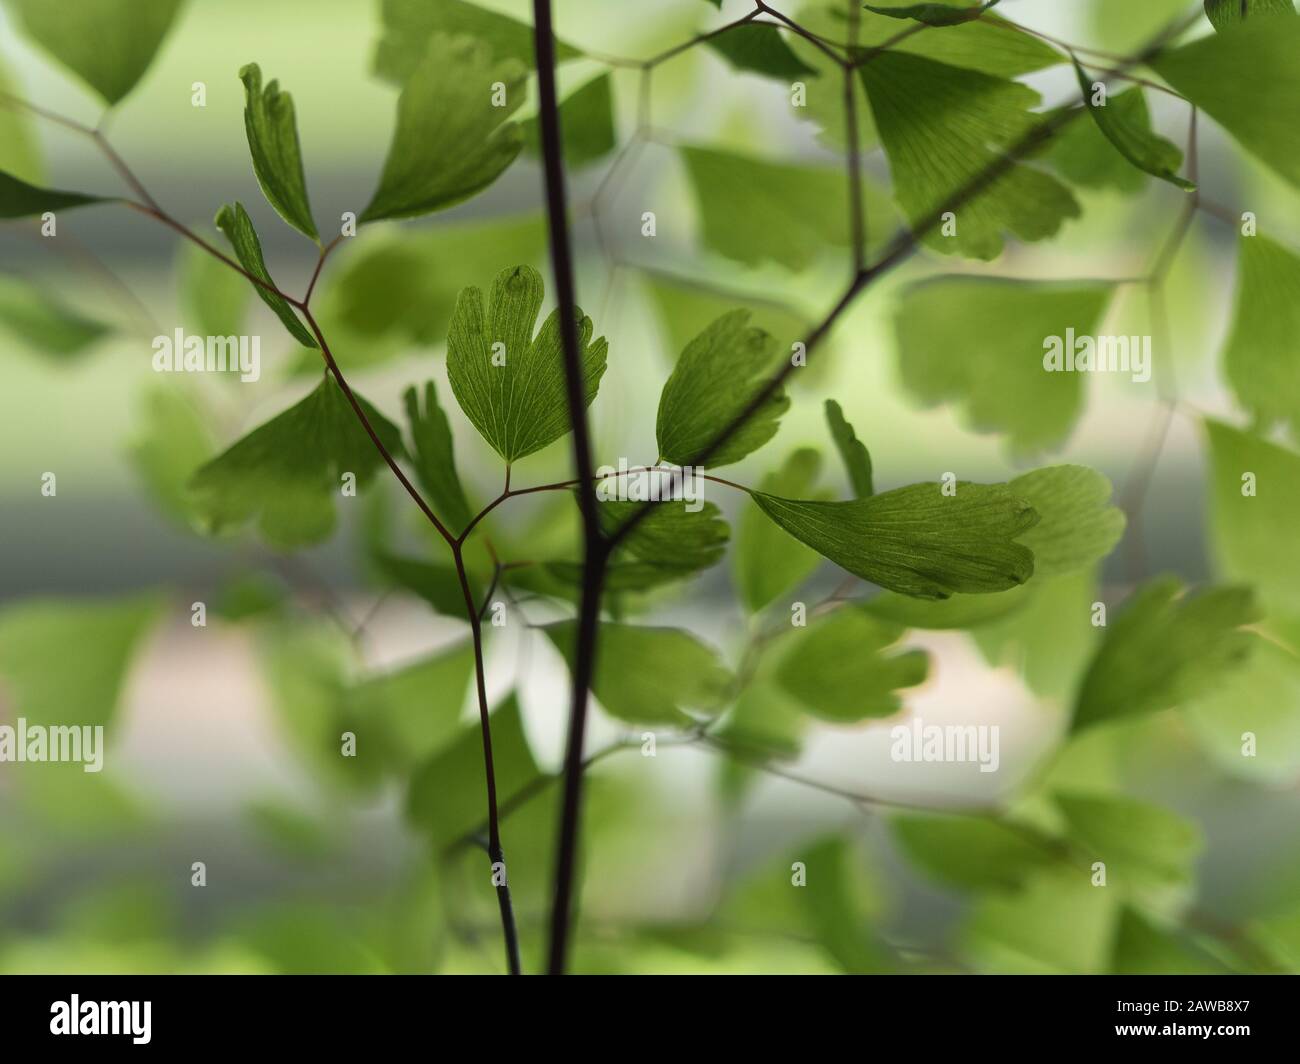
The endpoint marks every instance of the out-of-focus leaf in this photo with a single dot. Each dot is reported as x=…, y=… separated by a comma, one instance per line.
x=286, y=472
x=1261, y=111
x=768, y=561
x=760, y=48
x=247, y=594
x=839, y=671
x=1163, y=649
x=434, y=582
x=1120, y=25
x=1262, y=357
x=213, y=296
x=108, y=44
x=586, y=122
x=942, y=127
x=649, y=675
x=1227, y=13
x=917, y=540
x=509, y=383
x=1079, y=526
x=1143, y=846
x=238, y=227
x=973, y=852
x=37, y=636
x=450, y=141
x=958, y=611
x=935, y=14
x=409, y=24
x=856, y=458
x=1142, y=948
x=44, y=323
x=172, y=442
x=765, y=721
x=435, y=457
x=287, y=831
x=1000, y=329
x=718, y=374
x=18, y=199
x=273, y=144
x=1083, y=155
x=19, y=149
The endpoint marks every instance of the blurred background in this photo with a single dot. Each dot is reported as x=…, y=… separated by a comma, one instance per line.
x=219, y=735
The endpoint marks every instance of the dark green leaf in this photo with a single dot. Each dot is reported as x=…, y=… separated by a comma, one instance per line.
x=435, y=457
x=959, y=611
x=287, y=472
x=768, y=562
x=18, y=199
x=670, y=536
x=935, y=14
x=759, y=47
x=856, y=458
x=519, y=406
x=718, y=374
x=587, y=123
x=434, y=582
x=108, y=44
x=1226, y=13
x=839, y=671
x=917, y=540
x=238, y=227
x=1079, y=526
x=1084, y=155
x=450, y=142
x=1162, y=649
x=273, y=144
x=973, y=852
x=44, y=323
x=1142, y=948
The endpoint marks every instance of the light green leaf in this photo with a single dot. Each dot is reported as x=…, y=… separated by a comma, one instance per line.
x=838, y=671
x=434, y=582
x=38, y=637
x=935, y=14
x=508, y=383
x=942, y=127
x=856, y=458
x=650, y=675
x=1134, y=140
x=803, y=209
x=434, y=454
x=448, y=793
x=238, y=227
x=44, y=323
x=959, y=611
x=916, y=540
x=1142, y=845
x=450, y=142
x=18, y=199
x=973, y=852
x=214, y=297
x=760, y=48
x=173, y=441
x=1142, y=948
x=20, y=153
x=108, y=44
x=1261, y=111
x=1085, y=156
x=1079, y=526
x=718, y=374
x=586, y=122
x=1253, y=501
x=1262, y=356
x=768, y=561
x=765, y=721
x=287, y=472
x=981, y=341
x=409, y=24
x=1227, y=13
x=1162, y=650
x=277, y=157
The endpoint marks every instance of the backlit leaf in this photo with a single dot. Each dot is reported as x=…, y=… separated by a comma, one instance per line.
x=586, y=122
x=1078, y=527
x=856, y=458
x=760, y=48
x=238, y=227
x=1225, y=13
x=768, y=561
x=273, y=144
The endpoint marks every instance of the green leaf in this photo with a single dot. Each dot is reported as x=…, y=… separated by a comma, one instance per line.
x=37, y=637
x=670, y=536
x=434, y=582
x=1262, y=356
x=973, y=852
x=44, y=323
x=434, y=454
x=448, y=794
x=277, y=157
x=999, y=327
x=520, y=406
x=1261, y=111
x=1224, y=14
x=856, y=458
x=20, y=153
x=1162, y=649
x=942, y=127
x=108, y=44
x=409, y=25
x=586, y=121
x=173, y=441
x=1142, y=845
x=287, y=472
x=214, y=297
x=838, y=671
x=916, y=540
x=238, y=227
x=959, y=611
x=803, y=208
x=1142, y=948
x=760, y=48
x=768, y=562
x=718, y=374
x=18, y=199
x=1247, y=529
x=450, y=142
x=1085, y=156
x=764, y=721
x=649, y=675
x=1134, y=140
x=833, y=903
x=1079, y=526
x=932, y=14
